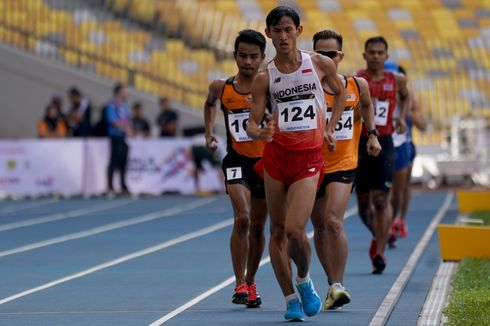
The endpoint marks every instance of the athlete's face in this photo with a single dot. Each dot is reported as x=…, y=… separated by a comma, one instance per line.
x=284, y=34
x=248, y=58
x=330, y=48
x=376, y=54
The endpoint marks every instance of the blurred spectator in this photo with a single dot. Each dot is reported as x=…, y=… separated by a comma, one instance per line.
x=79, y=115
x=167, y=119
x=117, y=117
x=52, y=125
x=57, y=101
x=141, y=127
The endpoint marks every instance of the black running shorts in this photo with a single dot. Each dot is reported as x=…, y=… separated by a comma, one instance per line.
x=346, y=177
x=375, y=173
x=239, y=169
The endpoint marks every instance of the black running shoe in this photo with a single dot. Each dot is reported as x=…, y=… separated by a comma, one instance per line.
x=379, y=264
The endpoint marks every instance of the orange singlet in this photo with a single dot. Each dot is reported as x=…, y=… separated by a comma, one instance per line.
x=236, y=110
x=347, y=131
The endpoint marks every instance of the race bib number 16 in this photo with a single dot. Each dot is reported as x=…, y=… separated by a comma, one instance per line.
x=297, y=115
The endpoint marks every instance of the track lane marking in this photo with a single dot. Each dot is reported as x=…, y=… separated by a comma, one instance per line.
x=350, y=212
x=383, y=313
x=108, y=227
x=61, y=216
x=122, y=259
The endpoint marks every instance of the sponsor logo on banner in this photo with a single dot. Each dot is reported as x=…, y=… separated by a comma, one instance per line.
x=8, y=181
x=46, y=182
x=11, y=164
x=166, y=167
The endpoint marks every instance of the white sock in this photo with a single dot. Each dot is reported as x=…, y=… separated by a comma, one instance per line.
x=300, y=280
x=291, y=297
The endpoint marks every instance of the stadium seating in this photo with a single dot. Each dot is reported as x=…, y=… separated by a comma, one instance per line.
x=176, y=47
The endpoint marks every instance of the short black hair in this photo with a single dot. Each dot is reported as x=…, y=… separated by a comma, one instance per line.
x=250, y=36
x=277, y=13
x=74, y=91
x=137, y=105
x=376, y=39
x=326, y=35
x=402, y=70
x=117, y=88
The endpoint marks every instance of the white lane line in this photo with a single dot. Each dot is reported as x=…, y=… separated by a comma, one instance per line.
x=108, y=227
x=123, y=259
x=350, y=212
x=61, y=216
x=437, y=297
x=393, y=295
x=16, y=208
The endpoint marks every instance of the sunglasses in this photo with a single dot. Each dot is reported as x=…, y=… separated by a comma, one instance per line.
x=331, y=54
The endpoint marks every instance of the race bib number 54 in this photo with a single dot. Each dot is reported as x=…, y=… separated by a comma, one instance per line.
x=344, y=128
x=297, y=115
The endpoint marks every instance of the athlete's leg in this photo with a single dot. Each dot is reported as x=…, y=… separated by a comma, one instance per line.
x=300, y=201
x=366, y=210
x=318, y=219
x=240, y=200
x=338, y=195
x=256, y=238
x=382, y=218
x=407, y=194
x=398, y=190
x=276, y=194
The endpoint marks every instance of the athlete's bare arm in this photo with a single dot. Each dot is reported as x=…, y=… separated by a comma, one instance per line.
x=214, y=93
x=415, y=113
x=328, y=72
x=260, y=87
x=403, y=102
x=367, y=111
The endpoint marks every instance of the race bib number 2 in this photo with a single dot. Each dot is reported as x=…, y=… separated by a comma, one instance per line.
x=381, y=112
x=297, y=115
x=345, y=126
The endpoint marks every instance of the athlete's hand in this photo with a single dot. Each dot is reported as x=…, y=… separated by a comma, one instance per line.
x=400, y=126
x=211, y=141
x=373, y=147
x=266, y=134
x=330, y=140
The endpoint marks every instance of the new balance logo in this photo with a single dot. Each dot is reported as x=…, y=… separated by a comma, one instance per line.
x=277, y=80
x=312, y=170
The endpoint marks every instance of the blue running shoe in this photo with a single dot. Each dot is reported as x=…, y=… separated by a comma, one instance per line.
x=312, y=304
x=294, y=311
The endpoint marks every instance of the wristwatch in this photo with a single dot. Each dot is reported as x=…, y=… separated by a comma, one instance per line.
x=373, y=132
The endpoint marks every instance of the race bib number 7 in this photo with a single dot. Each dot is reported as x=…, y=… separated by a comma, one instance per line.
x=381, y=112
x=297, y=115
x=233, y=173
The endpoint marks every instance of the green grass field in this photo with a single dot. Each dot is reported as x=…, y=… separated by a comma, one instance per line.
x=469, y=302
x=483, y=215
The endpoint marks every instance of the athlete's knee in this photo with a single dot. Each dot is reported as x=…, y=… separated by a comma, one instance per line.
x=380, y=201
x=241, y=223
x=335, y=227
x=277, y=233
x=295, y=234
x=257, y=230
